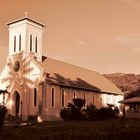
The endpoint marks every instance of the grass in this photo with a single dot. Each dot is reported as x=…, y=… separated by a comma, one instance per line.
x=96, y=130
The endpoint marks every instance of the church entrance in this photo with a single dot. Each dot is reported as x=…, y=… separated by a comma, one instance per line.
x=17, y=103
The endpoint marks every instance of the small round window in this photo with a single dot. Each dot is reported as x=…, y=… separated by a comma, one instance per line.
x=16, y=66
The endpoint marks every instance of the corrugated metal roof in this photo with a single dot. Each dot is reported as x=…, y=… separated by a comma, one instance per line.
x=70, y=75
x=131, y=100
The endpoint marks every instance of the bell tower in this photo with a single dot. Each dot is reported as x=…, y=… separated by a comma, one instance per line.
x=25, y=35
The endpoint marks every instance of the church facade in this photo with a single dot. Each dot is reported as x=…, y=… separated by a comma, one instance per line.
x=38, y=85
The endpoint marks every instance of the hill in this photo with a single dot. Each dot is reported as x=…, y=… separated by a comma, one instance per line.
x=128, y=83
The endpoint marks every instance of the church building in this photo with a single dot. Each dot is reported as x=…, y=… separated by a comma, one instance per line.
x=38, y=85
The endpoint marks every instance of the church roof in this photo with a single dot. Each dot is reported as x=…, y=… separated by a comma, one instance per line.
x=131, y=100
x=69, y=75
x=25, y=18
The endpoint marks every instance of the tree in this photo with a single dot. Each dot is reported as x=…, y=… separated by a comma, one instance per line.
x=19, y=73
x=3, y=92
x=3, y=109
x=79, y=103
x=132, y=94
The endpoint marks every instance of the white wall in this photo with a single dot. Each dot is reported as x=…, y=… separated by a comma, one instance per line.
x=26, y=28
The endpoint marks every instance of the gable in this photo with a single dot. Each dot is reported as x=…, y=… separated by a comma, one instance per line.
x=28, y=73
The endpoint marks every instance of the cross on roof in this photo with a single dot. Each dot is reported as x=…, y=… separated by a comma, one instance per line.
x=26, y=14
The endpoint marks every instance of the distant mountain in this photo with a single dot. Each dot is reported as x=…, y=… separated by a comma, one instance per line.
x=128, y=83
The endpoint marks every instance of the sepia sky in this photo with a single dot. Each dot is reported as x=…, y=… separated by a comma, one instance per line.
x=101, y=35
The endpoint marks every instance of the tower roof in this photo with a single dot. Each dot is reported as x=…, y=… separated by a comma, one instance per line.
x=25, y=18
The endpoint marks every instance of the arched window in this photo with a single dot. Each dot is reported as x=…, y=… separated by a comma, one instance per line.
x=36, y=44
x=35, y=97
x=14, y=43
x=53, y=96
x=63, y=98
x=93, y=98
x=74, y=95
x=20, y=42
x=30, y=42
x=84, y=98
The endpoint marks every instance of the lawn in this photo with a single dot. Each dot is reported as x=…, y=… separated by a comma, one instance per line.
x=96, y=130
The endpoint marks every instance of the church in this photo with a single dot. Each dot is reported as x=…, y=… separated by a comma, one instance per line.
x=38, y=85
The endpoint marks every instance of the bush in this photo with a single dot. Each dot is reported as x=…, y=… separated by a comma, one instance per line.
x=108, y=113
x=73, y=110
x=32, y=119
x=104, y=113
x=116, y=112
x=66, y=114
x=91, y=112
x=3, y=111
x=9, y=117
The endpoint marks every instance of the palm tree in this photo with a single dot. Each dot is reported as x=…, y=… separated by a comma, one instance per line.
x=19, y=73
x=20, y=77
x=3, y=92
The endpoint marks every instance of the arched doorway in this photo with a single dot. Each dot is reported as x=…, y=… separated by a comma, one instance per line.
x=17, y=103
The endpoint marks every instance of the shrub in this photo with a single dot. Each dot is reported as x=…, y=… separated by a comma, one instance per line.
x=73, y=110
x=66, y=114
x=116, y=111
x=91, y=112
x=3, y=111
x=108, y=113
x=9, y=117
x=32, y=119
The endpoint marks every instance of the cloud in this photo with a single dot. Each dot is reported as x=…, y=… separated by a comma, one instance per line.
x=134, y=3
x=128, y=39
x=129, y=1
x=136, y=49
x=80, y=42
x=128, y=42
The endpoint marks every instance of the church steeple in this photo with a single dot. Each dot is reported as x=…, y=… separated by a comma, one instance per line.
x=25, y=35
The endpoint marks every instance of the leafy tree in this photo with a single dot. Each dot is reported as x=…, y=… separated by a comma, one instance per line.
x=132, y=94
x=3, y=109
x=79, y=103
